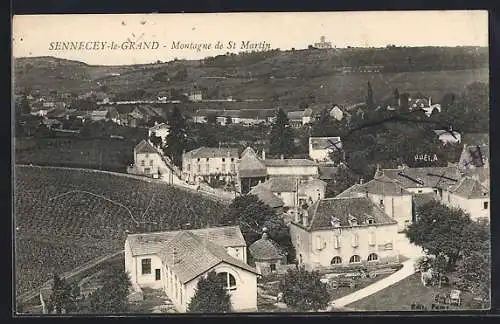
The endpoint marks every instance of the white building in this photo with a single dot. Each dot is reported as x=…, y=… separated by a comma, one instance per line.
x=469, y=195
x=205, y=163
x=320, y=148
x=175, y=261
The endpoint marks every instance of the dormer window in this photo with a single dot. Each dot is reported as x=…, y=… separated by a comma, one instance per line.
x=381, y=203
x=370, y=221
x=353, y=221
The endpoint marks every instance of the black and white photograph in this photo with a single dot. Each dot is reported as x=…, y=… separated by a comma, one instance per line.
x=278, y=162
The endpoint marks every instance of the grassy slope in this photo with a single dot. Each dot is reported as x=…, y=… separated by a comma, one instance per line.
x=62, y=233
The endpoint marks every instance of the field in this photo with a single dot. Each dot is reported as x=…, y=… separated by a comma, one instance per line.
x=401, y=295
x=66, y=217
x=104, y=154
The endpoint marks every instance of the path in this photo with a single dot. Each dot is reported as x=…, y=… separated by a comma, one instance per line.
x=406, y=249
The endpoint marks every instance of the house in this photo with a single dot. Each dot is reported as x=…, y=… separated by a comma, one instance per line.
x=175, y=261
x=269, y=198
x=147, y=160
x=323, y=44
x=266, y=255
x=344, y=231
x=300, y=118
x=474, y=156
x=113, y=115
x=469, y=195
x=448, y=136
x=320, y=148
x=205, y=163
x=421, y=102
x=195, y=96
x=336, y=112
x=251, y=170
x=388, y=195
x=161, y=130
x=98, y=115
x=295, y=192
x=302, y=168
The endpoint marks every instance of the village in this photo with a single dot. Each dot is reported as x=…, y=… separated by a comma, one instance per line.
x=214, y=203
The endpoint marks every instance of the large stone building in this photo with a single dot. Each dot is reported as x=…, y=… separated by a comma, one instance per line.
x=175, y=261
x=344, y=231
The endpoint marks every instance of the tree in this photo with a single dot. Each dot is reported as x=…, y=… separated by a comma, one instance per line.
x=344, y=178
x=63, y=297
x=210, y=296
x=322, y=126
x=439, y=230
x=281, y=136
x=177, y=137
x=369, y=97
x=112, y=297
x=396, y=94
x=229, y=120
x=303, y=290
x=155, y=140
x=207, y=136
x=251, y=214
x=23, y=107
x=212, y=119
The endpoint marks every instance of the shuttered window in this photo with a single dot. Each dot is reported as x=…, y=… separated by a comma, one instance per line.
x=355, y=240
x=371, y=238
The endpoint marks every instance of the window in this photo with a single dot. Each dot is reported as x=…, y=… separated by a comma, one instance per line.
x=237, y=253
x=157, y=274
x=143, y=163
x=233, y=167
x=300, y=259
x=232, y=159
x=273, y=267
x=207, y=167
x=355, y=259
x=228, y=280
x=371, y=238
x=372, y=257
x=381, y=202
x=151, y=162
x=370, y=221
x=147, y=155
x=223, y=160
x=336, y=260
x=207, y=159
x=199, y=168
x=198, y=159
x=319, y=243
x=485, y=205
x=146, y=266
x=189, y=167
x=224, y=168
x=279, y=194
x=388, y=246
x=355, y=240
x=420, y=191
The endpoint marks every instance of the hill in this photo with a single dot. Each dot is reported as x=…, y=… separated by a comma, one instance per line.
x=288, y=76
x=66, y=217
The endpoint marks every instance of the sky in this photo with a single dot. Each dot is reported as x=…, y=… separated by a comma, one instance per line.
x=36, y=35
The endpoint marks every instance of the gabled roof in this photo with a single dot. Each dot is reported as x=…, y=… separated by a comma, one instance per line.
x=266, y=196
x=189, y=256
x=288, y=162
x=428, y=177
x=211, y=152
x=322, y=143
x=264, y=249
x=250, y=165
x=144, y=147
x=320, y=214
x=151, y=243
x=353, y=191
x=470, y=189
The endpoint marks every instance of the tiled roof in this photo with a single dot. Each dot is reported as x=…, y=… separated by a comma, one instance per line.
x=289, y=184
x=385, y=186
x=352, y=192
x=299, y=114
x=424, y=198
x=322, y=143
x=321, y=213
x=266, y=196
x=482, y=174
x=470, y=189
x=211, y=152
x=150, y=243
x=189, y=255
x=288, y=162
x=264, y=249
x=144, y=147
x=250, y=165
x=433, y=177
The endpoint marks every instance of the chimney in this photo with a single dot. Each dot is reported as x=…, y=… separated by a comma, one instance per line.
x=265, y=236
x=263, y=154
x=282, y=156
x=304, y=218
